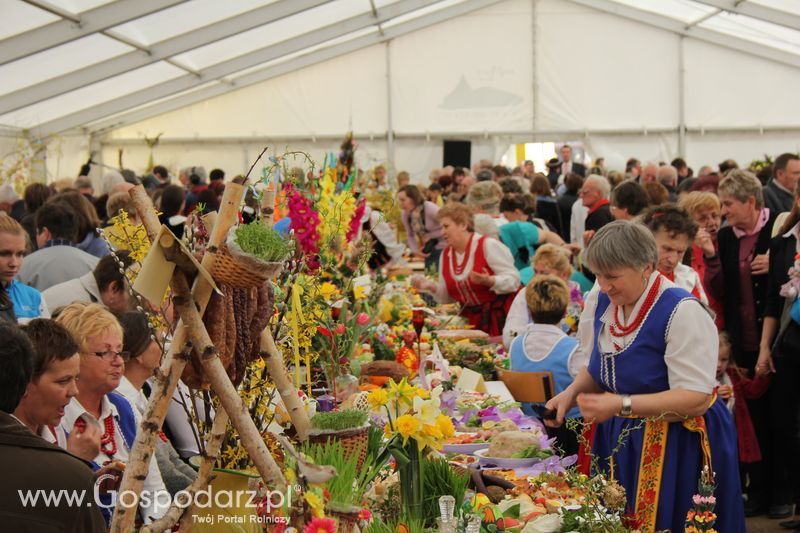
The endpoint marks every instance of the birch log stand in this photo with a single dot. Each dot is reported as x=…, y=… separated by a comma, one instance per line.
x=191, y=305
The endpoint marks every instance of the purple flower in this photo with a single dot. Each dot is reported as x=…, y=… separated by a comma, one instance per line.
x=448, y=401
x=467, y=416
x=553, y=465
x=490, y=413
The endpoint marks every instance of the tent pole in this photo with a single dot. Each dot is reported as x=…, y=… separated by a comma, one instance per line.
x=534, y=68
x=681, y=98
x=389, y=125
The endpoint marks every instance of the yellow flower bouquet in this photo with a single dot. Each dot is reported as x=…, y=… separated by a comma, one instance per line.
x=415, y=421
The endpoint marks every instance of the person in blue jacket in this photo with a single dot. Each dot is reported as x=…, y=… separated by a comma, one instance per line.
x=18, y=302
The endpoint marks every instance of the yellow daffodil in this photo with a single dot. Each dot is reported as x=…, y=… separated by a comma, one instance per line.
x=445, y=424
x=407, y=425
x=427, y=410
x=378, y=398
x=327, y=290
x=359, y=292
x=402, y=392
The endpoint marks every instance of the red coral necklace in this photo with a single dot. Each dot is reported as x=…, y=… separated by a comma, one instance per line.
x=459, y=268
x=108, y=444
x=618, y=330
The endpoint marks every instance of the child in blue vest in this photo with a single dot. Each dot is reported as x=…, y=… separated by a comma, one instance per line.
x=544, y=347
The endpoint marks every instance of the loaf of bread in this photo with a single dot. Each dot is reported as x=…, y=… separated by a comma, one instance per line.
x=508, y=443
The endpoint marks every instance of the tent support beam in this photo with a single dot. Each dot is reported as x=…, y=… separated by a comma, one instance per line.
x=390, y=168
x=218, y=72
x=701, y=34
x=65, y=30
x=107, y=141
x=267, y=73
x=156, y=52
x=534, y=64
x=756, y=11
x=681, y=98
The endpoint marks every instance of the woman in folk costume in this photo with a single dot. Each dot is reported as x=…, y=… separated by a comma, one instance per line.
x=474, y=270
x=653, y=356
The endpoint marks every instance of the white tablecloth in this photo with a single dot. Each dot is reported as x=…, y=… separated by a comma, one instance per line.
x=498, y=388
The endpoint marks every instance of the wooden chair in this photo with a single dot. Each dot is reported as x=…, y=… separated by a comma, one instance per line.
x=533, y=387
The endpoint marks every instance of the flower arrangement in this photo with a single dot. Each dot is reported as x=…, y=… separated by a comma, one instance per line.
x=701, y=517
x=414, y=423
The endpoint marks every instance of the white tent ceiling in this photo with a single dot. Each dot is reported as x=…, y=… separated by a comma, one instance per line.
x=98, y=66
x=72, y=63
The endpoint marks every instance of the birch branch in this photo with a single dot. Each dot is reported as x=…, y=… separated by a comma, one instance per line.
x=166, y=377
x=179, y=507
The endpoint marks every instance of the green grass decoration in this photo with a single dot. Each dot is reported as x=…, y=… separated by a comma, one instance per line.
x=440, y=479
x=348, y=486
x=375, y=442
x=339, y=420
x=414, y=525
x=262, y=242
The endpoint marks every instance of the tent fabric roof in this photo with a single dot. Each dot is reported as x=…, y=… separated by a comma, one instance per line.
x=99, y=64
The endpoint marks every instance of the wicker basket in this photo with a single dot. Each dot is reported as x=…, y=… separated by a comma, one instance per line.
x=348, y=521
x=353, y=441
x=242, y=274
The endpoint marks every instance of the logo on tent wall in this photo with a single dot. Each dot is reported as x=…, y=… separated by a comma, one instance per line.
x=466, y=97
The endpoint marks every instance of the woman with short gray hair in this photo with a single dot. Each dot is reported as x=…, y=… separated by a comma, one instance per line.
x=737, y=276
x=650, y=383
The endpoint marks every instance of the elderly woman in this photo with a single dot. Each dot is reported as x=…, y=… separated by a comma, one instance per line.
x=653, y=356
x=780, y=345
x=549, y=260
x=476, y=271
x=422, y=227
x=484, y=199
x=736, y=274
x=99, y=338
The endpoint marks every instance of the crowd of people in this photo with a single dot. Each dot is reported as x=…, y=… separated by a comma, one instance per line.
x=665, y=289
x=652, y=293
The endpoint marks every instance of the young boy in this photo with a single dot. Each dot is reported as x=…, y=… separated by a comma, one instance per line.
x=544, y=347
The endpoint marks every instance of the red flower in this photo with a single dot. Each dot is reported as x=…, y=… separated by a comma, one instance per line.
x=355, y=222
x=320, y=525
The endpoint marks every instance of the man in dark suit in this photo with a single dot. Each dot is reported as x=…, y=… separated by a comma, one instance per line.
x=567, y=165
x=31, y=466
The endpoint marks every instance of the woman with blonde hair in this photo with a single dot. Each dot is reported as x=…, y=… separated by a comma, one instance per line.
x=474, y=270
x=704, y=209
x=100, y=343
x=549, y=260
x=18, y=302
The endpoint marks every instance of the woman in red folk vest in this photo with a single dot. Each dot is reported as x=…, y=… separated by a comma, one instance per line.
x=474, y=270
